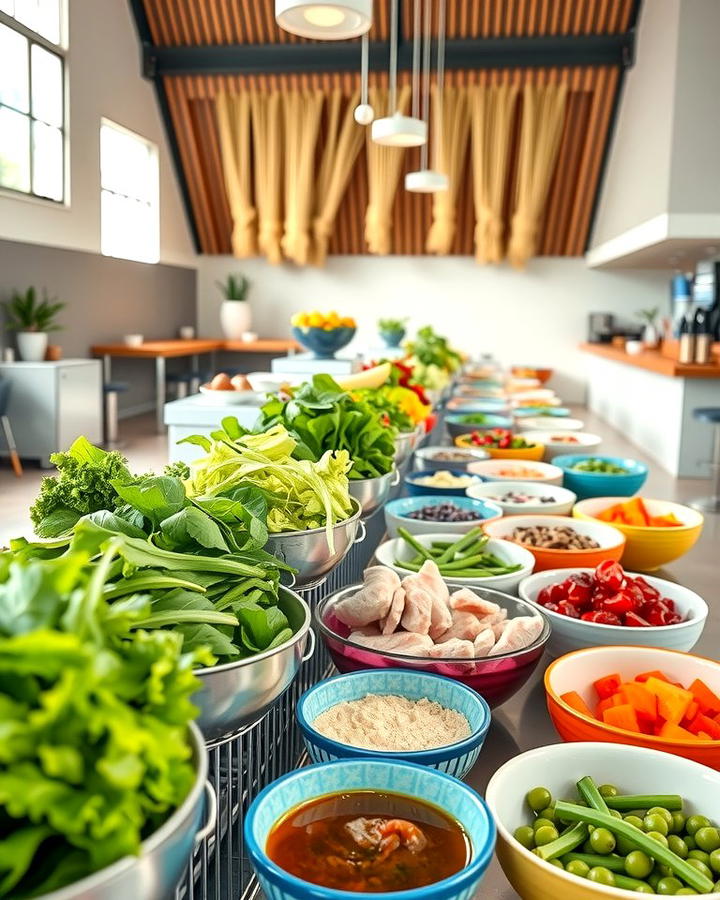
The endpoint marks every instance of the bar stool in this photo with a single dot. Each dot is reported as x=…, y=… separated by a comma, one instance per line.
x=6, y=427
x=111, y=390
x=710, y=504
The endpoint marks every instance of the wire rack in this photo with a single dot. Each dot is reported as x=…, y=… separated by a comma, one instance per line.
x=244, y=765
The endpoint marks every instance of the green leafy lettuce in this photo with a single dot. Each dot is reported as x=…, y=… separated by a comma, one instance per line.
x=94, y=754
x=322, y=417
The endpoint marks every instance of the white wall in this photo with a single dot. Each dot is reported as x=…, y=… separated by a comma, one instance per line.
x=636, y=186
x=104, y=80
x=538, y=316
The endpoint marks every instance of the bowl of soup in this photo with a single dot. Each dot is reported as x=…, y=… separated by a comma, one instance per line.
x=369, y=827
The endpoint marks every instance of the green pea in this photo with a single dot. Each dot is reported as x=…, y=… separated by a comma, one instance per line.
x=716, y=887
x=695, y=823
x=707, y=838
x=616, y=814
x=608, y=790
x=657, y=836
x=539, y=797
x=548, y=813
x=653, y=879
x=601, y=875
x=577, y=867
x=556, y=863
x=624, y=846
x=661, y=811
x=545, y=835
x=655, y=822
x=638, y=864
x=715, y=860
x=690, y=842
x=643, y=889
x=701, y=855
x=602, y=841
x=587, y=847
x=678, y=823
x=678, y=846
x=665, y=871
x=542, y=823
x=668, y=886
x=635, y=820
x=700, y=866
x=525, y=835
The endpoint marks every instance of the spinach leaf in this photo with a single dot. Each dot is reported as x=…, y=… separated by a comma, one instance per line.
x=157, y=497
x=115, y=523
x=58, y=522
x=191, y=525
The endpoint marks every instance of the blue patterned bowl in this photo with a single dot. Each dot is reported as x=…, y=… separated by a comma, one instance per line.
x=343, y=775
x=457, y=759
x=324, y=343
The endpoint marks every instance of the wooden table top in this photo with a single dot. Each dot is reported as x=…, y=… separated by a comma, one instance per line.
x=177, y=347
x=654, y=361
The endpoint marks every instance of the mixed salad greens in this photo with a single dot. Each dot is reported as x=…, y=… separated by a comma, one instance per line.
x=323, y=417
x=94, y=752
x=432, y=358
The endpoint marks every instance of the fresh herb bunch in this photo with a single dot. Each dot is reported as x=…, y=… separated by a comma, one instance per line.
x=392, y=325
x=432, y=349
x=83, y=485
x=95, y=753
x=323, y=417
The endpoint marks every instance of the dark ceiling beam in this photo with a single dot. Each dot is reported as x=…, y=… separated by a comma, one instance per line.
x=340, y=56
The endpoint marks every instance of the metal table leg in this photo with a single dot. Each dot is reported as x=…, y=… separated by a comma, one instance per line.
x=107, y=370
x=160, y=392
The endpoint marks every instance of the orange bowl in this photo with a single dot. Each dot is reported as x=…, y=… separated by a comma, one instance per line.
x=534, y=451
x=612, y=542
x=576, y=671
x=542, y=375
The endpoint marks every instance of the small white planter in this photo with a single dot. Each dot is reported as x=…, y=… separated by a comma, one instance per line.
x=235, y=318
x=32, y=345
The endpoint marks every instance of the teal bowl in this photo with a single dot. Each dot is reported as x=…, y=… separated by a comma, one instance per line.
x=558, y=412
x=323, y=343
x=457, y=424
x=456, y=759
x=427, y=785
x=601, y=484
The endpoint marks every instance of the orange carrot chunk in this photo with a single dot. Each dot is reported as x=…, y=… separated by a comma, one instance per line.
x=672, y=701
x=643, y=701
x=676, y=733
x=703, y=723
x=623, y=716
x=572, y=698
x=607, y=686
x=643, y=676
x=707, y=700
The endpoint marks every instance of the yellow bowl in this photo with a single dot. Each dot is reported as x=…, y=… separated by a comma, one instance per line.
x=535, y=451
x=649, y=548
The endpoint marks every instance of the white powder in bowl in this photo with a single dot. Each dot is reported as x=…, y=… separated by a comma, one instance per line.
x=389, y=722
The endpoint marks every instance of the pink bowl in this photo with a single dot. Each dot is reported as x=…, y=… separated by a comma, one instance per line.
x=496, y=678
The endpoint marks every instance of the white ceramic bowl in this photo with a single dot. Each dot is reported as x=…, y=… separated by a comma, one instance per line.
x=507, y=551
x=581, y=441
x=559, y=767
x=574, y=634
x=231, y=398
x=550, y=423
x=133, y=340
x=490, y=469
x=268, y=382
x=396, y=514
x=562, y=503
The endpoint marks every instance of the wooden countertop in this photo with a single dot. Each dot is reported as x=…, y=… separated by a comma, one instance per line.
x=153, y=349
x=654, y=361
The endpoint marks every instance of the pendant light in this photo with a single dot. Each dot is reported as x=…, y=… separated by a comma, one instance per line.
x=425, y=180
x=397, y=130
x=364, y=113
x=334, y=20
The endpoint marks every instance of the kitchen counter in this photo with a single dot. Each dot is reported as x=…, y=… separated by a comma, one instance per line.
x=651, y=398
x=654, y=361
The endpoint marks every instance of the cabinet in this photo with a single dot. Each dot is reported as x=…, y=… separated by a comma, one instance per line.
x=52, y=403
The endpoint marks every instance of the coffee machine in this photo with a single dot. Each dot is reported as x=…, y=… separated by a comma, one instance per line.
x=601, y=327
x=706, y=293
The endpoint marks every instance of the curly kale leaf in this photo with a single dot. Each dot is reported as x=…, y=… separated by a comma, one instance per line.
x=82, y=486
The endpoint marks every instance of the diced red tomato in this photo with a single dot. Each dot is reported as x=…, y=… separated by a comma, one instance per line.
x=633, y=620
x=601, y=617
x=610, y=574
x=649, y=592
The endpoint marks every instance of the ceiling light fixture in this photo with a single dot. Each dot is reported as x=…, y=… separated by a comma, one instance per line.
x=425, y=180
x=397, y=130
x=335, y=21
x=364, y=113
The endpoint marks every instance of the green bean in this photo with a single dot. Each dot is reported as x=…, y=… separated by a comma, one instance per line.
x=588, y=791
x=465, y=541
x=630, y=884
x=627, y=802
x=612, y=861
x=567, y=841
x=573, y=813
x=416, y=545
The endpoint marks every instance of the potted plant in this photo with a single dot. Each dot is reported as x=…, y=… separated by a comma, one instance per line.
x=392, y=331
x=651, y=335
x=31, y=319
x=235, y=313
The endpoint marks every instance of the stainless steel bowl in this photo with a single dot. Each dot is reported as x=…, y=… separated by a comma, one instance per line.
x=155, y=872
x=235, y=695
x=372, y=493
x=308, y=552
x=425, y=457
x=405, y=443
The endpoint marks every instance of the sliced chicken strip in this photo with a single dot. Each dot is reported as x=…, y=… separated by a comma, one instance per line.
x=372, y=602
x=517, y=634
x=467, y=601
x=404, y=642
x=453, y=649
x=465, y=625
x=418, y=607
x=431, y=580
x=484, y=642
x=390, y=623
